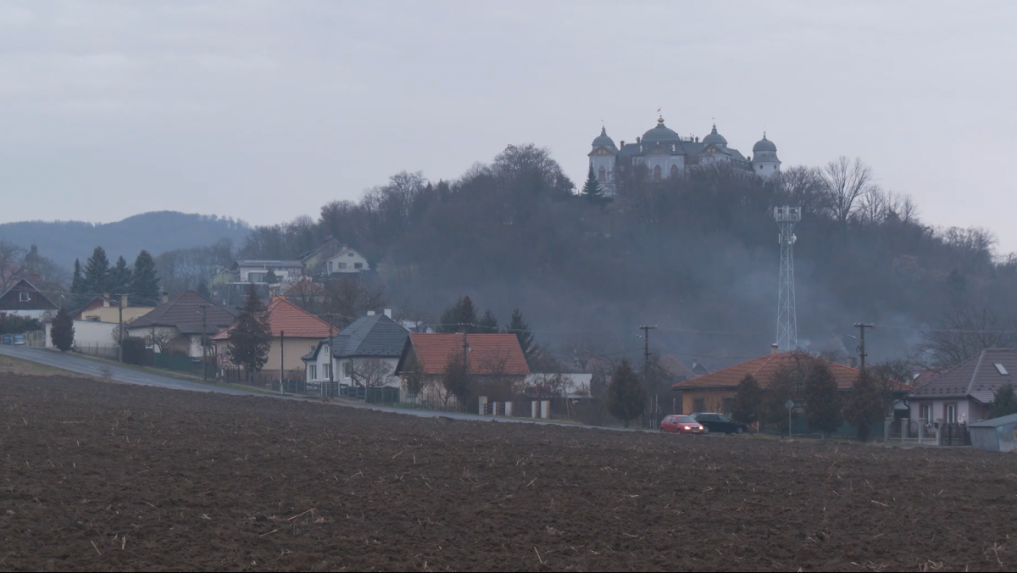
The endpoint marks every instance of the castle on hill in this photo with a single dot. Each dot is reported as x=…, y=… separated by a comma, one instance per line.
x=667, y=154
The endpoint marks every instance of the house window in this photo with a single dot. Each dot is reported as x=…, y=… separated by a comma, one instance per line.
x=341, y=265
x=927, y=413
x=999, y=367
x=350, y=255
x=313, y=369
x=698, y=404
x=347, y=369
x=950, y=413
x=25, y=297
x=256, y=277
x=326, y=371
x=358, y=265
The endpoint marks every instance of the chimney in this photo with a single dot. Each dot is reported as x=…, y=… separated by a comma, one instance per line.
x=388, y=312
x=370, y=313
x=105, y=300
x=165, y=297
x=123, y=301
x=773, y=348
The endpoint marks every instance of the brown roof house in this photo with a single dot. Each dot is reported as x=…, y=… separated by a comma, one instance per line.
x=495, y=363
x=715, y=392
x=23, y=299
x=294, y=332
x=179, y=325
x=964, y=393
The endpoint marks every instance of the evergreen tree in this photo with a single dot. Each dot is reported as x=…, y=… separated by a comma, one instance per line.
x=521, y=329
x=120, y=278
x=251, y=338
x=822, y=399
x=458, y=317
x=592, y=191
x=78, y=287
x=62, y=331
x=865, y=406
x=1004, y=402
x=271, y=278
x=145, y=284
x=748, y=399
x=97, y=272
x=202, y=289
x=626, y=397
x=488, y=323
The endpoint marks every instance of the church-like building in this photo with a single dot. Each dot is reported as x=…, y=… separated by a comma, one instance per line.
x=667, y=154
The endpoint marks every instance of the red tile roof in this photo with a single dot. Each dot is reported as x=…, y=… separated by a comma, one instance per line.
x=763, y=369
x=487, y=352
x=284, y=316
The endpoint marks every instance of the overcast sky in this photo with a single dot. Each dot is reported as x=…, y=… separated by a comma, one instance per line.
x=266, y=110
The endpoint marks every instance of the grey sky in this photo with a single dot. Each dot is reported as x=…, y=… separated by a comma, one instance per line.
x=266, y=110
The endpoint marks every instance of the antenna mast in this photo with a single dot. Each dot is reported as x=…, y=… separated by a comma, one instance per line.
x=787, y=320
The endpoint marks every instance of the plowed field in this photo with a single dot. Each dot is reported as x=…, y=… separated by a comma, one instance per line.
x=100, y=476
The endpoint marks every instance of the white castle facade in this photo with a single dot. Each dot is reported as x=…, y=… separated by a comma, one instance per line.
x=666, y=154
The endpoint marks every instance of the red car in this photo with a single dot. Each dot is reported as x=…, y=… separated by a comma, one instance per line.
x=681, y=425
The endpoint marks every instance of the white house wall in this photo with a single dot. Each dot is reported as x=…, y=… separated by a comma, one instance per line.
x=89, y=334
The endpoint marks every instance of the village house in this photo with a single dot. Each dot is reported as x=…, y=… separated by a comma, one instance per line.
x=964, y=393
x=495, y=363
x=95, y=325
x=24, y=300
x=314, y=261
x=180, y=325
x=294, y=330
x=258, y=271
x=715, y=392
x=364, y=354
x=345, y=262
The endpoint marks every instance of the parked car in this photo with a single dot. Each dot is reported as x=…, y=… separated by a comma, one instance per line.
x=719, y=423
x=681, y=425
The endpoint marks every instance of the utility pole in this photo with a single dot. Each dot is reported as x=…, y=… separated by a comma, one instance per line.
x=204, y=342
x=646, y=369
x=282, y=360
x=120, y=330
x=861, y=326
x=331, y=353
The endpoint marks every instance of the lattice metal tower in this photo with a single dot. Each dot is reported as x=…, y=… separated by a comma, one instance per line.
x=787, y=321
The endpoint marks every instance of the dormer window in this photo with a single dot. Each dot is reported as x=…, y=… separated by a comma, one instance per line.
x=1001, y=369
x=25, y=297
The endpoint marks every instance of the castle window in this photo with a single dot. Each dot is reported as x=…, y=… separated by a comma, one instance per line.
x=656, y=173
x=601, y=174
x=674, y=171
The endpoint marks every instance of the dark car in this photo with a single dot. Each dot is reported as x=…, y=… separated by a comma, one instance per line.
x=720, y=424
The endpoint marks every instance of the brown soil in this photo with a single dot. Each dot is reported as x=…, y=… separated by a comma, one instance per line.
x=96, y=476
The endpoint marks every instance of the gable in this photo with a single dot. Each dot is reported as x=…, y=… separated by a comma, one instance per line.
x=24, y=296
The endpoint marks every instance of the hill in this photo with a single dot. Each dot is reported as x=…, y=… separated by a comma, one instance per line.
x=156, y=232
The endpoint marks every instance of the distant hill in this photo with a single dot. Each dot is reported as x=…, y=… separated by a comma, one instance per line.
x=156, y=232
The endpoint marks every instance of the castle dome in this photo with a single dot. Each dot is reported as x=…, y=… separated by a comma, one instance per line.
x=603, y=140
x=660, y=133
x=764, y=145
x=714, y=138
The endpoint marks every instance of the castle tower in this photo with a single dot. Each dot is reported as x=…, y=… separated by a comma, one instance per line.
x=764, y=158
x=602, y=158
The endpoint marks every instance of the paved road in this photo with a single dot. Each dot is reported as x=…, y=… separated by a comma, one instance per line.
x=73, y=363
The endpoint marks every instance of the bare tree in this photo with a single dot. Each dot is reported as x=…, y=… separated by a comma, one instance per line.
x=351, y=298
x=963, y=333
x=12, y=264
x=805, y=187
x=846, y=182
x=370, y=372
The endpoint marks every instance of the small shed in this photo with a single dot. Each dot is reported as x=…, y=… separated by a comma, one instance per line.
x=995, y=435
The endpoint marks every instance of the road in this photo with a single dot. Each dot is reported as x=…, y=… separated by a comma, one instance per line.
x=79, y=365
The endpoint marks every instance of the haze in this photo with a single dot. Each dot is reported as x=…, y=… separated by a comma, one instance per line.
x=265, y=111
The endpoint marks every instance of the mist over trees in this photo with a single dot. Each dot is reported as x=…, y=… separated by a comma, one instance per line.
x=697, y=256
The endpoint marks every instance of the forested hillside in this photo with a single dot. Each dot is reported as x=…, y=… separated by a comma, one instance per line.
x=156, y=232
x=698, y=257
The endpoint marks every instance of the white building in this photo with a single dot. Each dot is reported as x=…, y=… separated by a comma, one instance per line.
x=346, y=261
x=257, y=271
x=667, y=154
x=364, y=353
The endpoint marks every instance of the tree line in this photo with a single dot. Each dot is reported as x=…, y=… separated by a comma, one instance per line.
x=99, y=278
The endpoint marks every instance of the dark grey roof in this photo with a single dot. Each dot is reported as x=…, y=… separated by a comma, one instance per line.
x=995, y=422
x=603, y=140
x=714, y=138
x=376, y=335
x=186, y=315
x=660, y=133
x=764, y=145
x=976, y=377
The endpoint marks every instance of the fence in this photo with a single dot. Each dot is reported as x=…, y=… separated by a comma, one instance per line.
x=98, y=351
